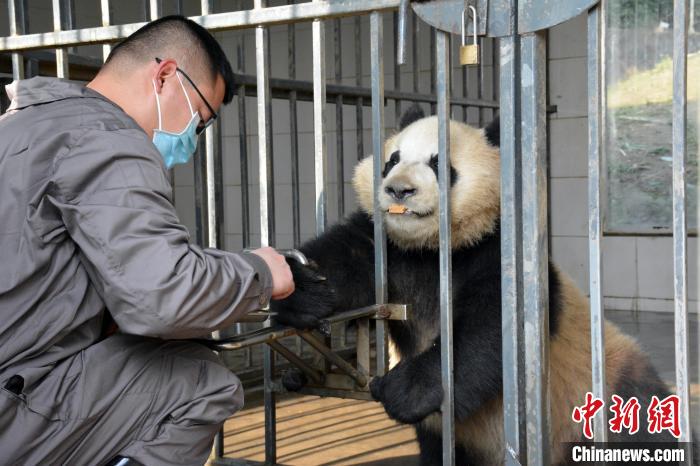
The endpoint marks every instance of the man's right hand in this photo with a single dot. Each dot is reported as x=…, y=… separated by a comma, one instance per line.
x=282, y=280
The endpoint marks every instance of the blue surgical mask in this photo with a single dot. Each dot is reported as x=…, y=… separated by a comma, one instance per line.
x=176, y=147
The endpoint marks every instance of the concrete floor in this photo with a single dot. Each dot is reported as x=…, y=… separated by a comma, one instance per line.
x=330, y=431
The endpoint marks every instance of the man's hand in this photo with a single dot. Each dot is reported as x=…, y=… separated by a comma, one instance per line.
x=282, y=281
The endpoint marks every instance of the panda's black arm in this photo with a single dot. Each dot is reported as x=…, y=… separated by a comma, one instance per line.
x=413, y=389
x=340, y=276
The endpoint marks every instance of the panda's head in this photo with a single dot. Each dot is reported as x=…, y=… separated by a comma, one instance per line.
x=409, y=195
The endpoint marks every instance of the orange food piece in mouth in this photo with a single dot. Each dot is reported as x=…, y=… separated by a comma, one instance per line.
x=397, y=209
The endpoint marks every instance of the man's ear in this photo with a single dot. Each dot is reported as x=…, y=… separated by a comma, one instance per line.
x=164, y=69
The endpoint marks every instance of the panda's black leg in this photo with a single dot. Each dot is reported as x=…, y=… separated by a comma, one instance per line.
x=430, y=444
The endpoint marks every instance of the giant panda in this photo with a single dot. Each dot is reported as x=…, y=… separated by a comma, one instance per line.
x=341, y=277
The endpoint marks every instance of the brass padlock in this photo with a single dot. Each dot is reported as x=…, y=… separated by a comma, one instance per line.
x=469, y=54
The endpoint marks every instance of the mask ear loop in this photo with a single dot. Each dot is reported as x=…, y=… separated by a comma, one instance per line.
x=189, y=104
x=160, y=122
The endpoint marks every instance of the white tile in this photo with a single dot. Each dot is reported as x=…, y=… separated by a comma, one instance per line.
x=569, y=147
x=231, y=161
x=655, y=267
x=571, y=256
x=233, y=243
x=233, y=210
x=620, y=304
x=568, y=39
x=283, y=209
x=569, y=213
x=567, y=87
x=619, y=266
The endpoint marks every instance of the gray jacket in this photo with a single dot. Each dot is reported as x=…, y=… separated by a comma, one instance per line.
x=88, y=227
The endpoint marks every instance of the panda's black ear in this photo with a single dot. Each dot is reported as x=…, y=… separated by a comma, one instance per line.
x=413, y=113
x=493, y=132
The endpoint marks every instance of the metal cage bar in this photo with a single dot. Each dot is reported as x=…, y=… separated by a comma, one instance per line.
x=380, y=264
x=442, y=79
x=266, y=199
x=535, y=267
x=60, y=23
x=511, y=249
x=16, y=12
x=680, y=225
x=595, y=228
x=318, y=32
x=268, y=16
x=106, y=13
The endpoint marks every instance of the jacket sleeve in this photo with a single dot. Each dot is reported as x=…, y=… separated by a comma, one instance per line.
x=115, y=201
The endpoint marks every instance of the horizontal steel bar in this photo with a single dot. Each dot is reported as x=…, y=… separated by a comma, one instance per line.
x=341, y=363
x=315, y=375
x=263, y=335
x=281, y=87
x=217, y=22
x=330, y=392
x=375, y=311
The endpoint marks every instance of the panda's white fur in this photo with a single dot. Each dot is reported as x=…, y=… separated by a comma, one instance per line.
x=475, y=198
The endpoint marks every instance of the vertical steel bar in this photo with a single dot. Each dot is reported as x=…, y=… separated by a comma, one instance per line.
x=155, y=9
x=432, y=67
x=414, y=51
x=16, y=12
x=442, y=53
x=58, y=25
x=595, y=227
x=480, y=81
x=294, y=136
x=535, y=265
x=213, y=230
x=266, y=229
x=243, y=148
x=680, y=224
x=106, y=11
x=207, y=6
x=401, y=32
x=318, y=33
x=340, y=157
x=511, y=247
x=359, y=123
x=200, y=198
x=377, y=77
x=397, y=69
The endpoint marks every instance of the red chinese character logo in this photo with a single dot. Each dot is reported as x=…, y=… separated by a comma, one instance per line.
x=663, y=415
x=626, y=415
x=586, y=412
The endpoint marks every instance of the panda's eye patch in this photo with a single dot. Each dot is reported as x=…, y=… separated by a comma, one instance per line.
x=433, y=164
x=393, y=160
x=433, y=161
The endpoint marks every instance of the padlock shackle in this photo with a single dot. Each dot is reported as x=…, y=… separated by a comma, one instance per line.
x=464, y=32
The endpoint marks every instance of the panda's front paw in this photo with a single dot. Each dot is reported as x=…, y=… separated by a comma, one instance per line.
x=313, y=298
x=406, y=397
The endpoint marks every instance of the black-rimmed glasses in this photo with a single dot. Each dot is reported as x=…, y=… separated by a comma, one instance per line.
x=204, y=125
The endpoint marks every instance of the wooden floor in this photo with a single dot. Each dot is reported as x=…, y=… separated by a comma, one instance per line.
x=331, y=431
x=323, y=431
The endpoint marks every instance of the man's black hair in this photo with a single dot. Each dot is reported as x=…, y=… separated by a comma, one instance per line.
x=144, y=45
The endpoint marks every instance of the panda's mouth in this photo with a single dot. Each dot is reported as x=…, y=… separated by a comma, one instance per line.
x=406, y=212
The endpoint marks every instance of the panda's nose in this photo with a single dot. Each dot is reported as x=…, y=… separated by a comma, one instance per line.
x=400, y=192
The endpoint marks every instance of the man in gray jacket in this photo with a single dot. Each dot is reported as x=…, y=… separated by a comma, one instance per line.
x=89, y=234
